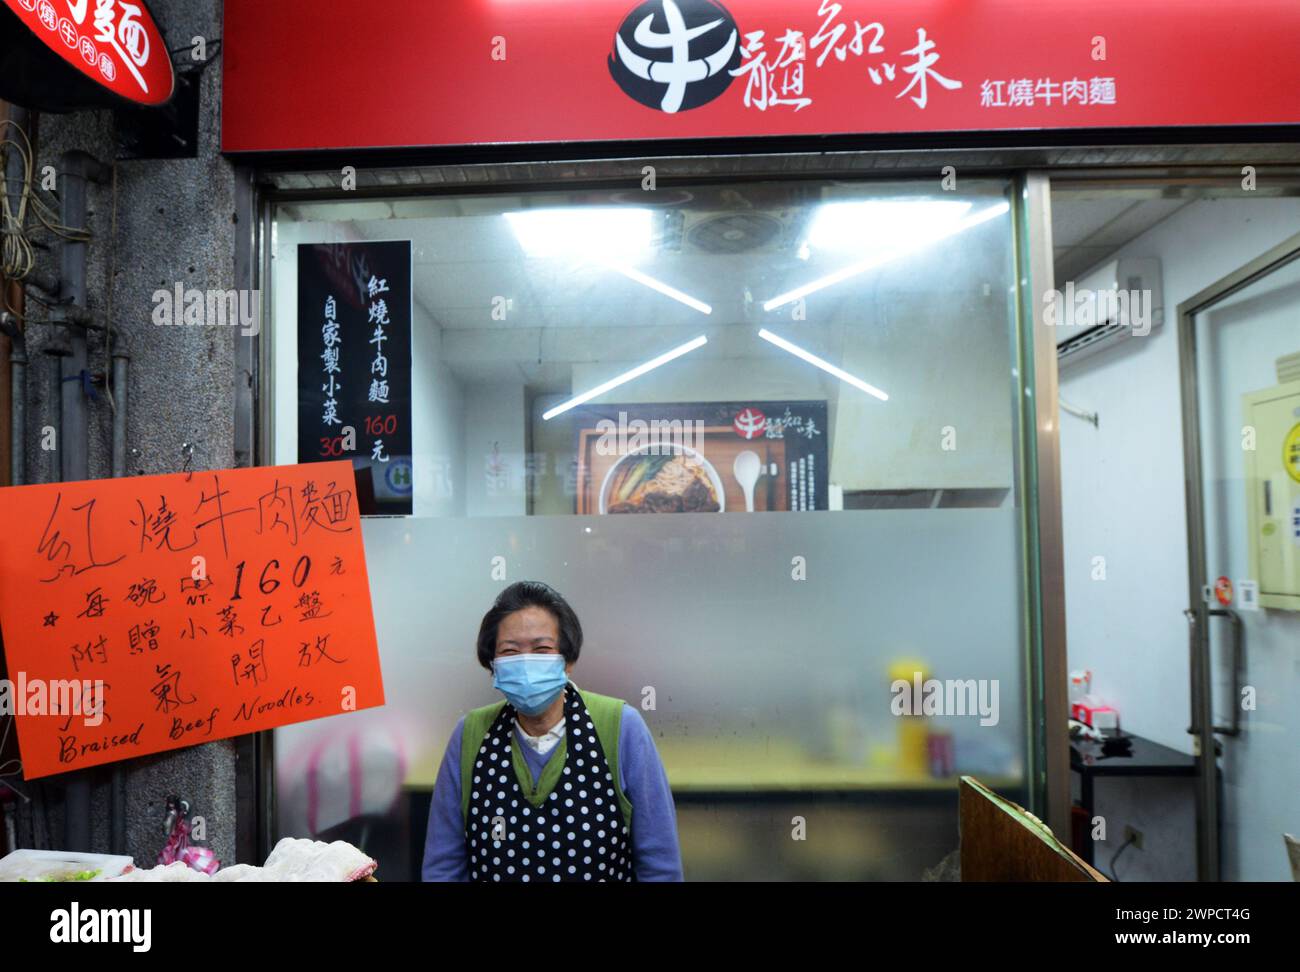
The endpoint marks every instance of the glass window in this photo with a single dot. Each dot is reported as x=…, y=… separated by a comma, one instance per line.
x=807, y=392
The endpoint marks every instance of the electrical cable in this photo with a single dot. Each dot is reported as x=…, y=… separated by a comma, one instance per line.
x=1123, y=847
x=17, y=251
x=215, y=49
x=11, y=766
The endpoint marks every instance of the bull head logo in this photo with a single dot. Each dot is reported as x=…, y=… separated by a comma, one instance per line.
x=675, y=55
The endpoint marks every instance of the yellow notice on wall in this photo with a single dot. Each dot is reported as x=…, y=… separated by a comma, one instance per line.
x=1291, y=453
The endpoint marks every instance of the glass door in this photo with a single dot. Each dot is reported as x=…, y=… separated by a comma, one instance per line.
x=1240, y=344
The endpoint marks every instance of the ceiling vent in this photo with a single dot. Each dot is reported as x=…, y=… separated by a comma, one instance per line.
x=726, y=233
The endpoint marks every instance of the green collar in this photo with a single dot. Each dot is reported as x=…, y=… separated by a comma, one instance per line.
x=550, y=772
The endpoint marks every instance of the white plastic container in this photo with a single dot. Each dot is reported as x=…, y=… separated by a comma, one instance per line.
x=39, y=865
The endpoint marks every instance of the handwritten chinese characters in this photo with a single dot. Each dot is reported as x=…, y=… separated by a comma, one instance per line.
x=215, y=604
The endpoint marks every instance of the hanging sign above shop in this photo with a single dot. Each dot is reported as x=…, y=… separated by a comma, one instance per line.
x=354, y=366
x=302, y=75
x=150, y=613
x=106, y=52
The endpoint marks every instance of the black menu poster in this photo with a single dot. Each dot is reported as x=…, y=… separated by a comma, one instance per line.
x=354, y=366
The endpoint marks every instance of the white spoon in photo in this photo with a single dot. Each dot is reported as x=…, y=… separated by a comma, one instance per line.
x=746, y=469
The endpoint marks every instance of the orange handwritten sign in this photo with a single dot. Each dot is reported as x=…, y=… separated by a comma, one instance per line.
x=152, y=613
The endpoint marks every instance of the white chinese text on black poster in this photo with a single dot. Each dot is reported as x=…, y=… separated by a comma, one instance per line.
x=354, y=366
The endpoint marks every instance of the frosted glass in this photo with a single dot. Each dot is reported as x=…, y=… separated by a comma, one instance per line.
x=758, y=679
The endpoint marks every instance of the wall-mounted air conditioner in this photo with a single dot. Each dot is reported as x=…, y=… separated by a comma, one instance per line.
x=1118, y=301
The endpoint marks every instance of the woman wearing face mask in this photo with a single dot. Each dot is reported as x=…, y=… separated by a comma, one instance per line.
x=554, y=783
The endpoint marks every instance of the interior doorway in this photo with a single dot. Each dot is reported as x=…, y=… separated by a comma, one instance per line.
x=1240, y=343
x=1169, y=419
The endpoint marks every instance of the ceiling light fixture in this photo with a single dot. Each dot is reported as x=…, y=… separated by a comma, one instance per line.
x=625, y=377
x=878, y=259
x=610, y=236
x=870, y=225
x=657, y=285
x=822, y=363
x=583, y=232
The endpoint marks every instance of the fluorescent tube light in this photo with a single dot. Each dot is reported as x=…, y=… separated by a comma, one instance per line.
x=625, y=377
x=878, y=259
x=583, y=231
x=823, y=364
x=610, y=236
x=646, y=280
x=871, y=225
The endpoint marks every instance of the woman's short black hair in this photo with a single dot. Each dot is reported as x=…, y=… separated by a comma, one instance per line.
x=525, y=594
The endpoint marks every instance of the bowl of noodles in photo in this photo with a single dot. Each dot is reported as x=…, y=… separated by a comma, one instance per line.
x=669, y=478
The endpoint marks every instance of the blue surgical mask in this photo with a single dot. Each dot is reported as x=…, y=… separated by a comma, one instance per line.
x=530, y=682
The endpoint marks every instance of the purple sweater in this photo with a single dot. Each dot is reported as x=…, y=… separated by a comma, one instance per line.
x=655, y=853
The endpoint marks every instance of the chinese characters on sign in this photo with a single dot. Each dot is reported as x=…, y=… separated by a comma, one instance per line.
x=1027, y=92
x=329, y=336
x=208, y=605
x=781, y=81
x=712, y=69
x=378, y=392
x=354, y=366
x=114, y=42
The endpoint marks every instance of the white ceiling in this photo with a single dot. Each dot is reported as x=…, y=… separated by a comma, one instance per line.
x=1088, y=226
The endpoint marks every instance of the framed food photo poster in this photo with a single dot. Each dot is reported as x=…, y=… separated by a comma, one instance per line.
x=702, y=457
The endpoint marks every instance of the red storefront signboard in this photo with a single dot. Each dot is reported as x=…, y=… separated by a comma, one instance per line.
x=303, y=75
x=115, y=43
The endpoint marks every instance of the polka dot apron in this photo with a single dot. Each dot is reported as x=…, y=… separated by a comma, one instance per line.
x=576, y=834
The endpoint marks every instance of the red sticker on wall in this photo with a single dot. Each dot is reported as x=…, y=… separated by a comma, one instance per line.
x=1223, y=591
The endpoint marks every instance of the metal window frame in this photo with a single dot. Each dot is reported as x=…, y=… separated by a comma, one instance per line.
x=1043, y=556
x=254, y=758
